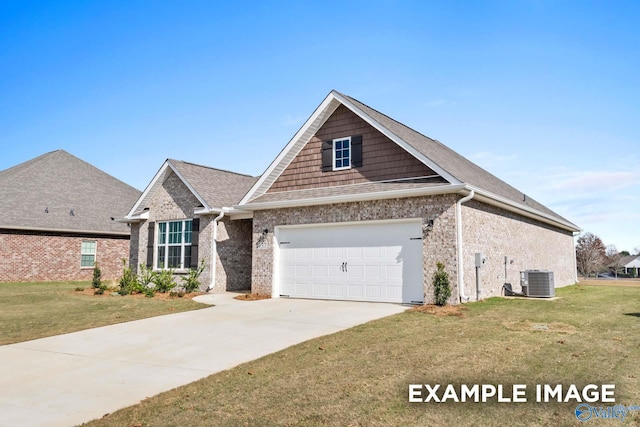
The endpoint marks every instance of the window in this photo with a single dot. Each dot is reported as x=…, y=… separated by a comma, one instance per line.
x=174, y=244
x=88, y=253
x=342, y=153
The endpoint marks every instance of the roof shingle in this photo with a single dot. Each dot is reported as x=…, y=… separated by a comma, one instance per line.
x=60, y=192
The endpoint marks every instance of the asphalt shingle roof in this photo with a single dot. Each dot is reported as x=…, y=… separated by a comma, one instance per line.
x=60, y=192
x=219, y=188
x=455, y=164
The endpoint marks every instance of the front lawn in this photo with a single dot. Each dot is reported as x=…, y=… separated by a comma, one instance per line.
x=360, y=377
x=36, y=310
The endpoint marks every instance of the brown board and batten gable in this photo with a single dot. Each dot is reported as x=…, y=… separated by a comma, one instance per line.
x=381, y=159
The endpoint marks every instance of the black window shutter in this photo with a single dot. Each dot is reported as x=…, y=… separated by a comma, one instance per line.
x=150, y=240
x=195, y=233
x=356, y=151
x=327, y=156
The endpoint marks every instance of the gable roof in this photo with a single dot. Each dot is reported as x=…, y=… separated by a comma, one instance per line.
x=625, y=261
x=214, y=188
x=61, y=193
x=454, y=168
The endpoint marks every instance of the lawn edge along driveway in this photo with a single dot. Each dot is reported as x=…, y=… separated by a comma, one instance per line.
x=73, y=378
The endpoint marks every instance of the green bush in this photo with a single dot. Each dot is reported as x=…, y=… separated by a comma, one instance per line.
x=129, y=281
x=96, y=282
x=164, y=280
x=145, y=276
x=190, y=282
x=441, y=286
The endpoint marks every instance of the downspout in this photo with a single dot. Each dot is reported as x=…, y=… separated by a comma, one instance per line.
x=214, y=251
x=463, y=297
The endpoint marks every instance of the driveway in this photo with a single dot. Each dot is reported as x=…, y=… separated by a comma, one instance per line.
x=69, y=379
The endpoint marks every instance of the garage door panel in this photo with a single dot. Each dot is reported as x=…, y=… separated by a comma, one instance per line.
x=355, y=271
x=355, y=291
x=336, y=291
x=320, y=271
x=369, y=262
x=321, y=289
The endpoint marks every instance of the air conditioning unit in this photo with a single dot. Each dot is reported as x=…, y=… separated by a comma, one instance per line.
x=538, y=283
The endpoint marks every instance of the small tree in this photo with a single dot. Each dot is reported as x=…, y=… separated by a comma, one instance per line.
x=590, y=254
x=441, y=286
x=96, y=282
x=128, y=281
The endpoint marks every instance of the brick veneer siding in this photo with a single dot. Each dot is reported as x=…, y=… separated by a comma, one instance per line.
x=37, y=257
x=174, y=201
x=531, y=244
x=438, y=243
x=381, y=158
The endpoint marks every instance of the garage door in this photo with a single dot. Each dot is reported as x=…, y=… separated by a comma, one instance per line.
x=379, y=261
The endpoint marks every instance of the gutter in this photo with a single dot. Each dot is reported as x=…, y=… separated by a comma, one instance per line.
x=463, y=297
x=358, y=197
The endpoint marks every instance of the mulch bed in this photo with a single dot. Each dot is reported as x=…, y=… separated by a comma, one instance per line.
x=440, y=311
x=251, y=297
x=158, y=295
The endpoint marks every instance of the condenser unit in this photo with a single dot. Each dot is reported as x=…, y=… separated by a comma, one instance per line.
x=538, y=283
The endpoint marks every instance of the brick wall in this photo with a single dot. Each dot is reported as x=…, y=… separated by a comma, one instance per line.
x=173, y=201
x=493, y=231
x=531, y=244
x=438, y=243
x=30, y=256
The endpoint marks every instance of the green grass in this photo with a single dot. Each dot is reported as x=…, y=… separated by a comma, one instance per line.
x=36, y=310
x=360, y=377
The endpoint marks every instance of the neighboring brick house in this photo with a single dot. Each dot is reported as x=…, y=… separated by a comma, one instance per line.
x=173, y=221
x=56, y=220
x=357, y=206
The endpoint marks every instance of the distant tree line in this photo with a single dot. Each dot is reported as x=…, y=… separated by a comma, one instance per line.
x=592, y=256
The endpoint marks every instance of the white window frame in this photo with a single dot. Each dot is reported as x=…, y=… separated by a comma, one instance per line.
x=345, y=138
x=94, y=253
x=166, y=245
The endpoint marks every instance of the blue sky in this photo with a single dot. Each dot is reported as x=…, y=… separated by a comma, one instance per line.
x=543, y=94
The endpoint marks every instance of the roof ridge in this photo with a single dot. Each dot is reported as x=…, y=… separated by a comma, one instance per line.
x=211, y=167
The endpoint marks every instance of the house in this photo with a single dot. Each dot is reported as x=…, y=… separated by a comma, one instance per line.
x=358, y=206
x=629, y=265
x=173, y=221
x=56, y=220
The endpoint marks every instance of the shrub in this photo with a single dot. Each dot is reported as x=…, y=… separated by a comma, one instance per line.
x=190, y=282
x=441, y=287
x=164, y=281
x=129, y=281
x=96, y=282
x=145, y=275
x=79, y=289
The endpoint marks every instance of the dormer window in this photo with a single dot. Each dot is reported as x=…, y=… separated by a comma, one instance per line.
x=342, y=153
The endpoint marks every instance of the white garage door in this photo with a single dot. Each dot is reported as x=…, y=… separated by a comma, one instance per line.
x=379, y=261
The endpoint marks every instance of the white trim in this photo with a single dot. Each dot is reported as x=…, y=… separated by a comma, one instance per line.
x=401, y=142
x=345, y=198
x=492, y=199
x=95, y=253
x=333, y=150
x=152, y=185
x=304, y=134
x=183, y=244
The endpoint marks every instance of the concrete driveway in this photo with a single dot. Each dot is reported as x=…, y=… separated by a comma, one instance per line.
x=69, y=379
